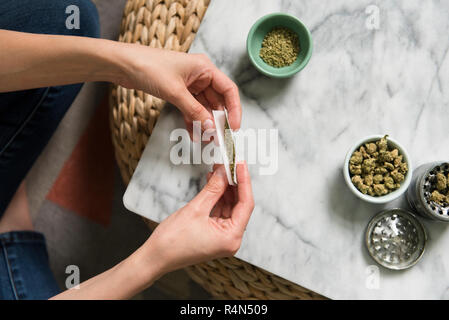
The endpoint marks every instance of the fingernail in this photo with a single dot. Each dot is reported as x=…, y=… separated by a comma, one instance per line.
x=220, y=171
x=196, y=137
x=208, y=124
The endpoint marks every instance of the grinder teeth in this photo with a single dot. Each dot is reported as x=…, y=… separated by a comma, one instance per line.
x=438, y=209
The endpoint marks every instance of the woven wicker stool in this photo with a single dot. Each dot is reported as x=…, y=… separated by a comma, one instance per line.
x=172, y=25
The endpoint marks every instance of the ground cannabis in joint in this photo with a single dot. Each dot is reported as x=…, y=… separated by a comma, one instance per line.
x=377, y=169
x=230, y=147
x=440, y=189
x=280, y=47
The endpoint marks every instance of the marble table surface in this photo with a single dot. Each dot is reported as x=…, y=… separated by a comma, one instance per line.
x=307, y=226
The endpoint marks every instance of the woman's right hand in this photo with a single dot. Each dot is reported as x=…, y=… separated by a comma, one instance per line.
x=208, y=227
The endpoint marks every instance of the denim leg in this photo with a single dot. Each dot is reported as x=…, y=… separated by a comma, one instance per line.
x=32, y=127
x=24, y=270
x=27, y=121
x=29, y=118
x=48, y=17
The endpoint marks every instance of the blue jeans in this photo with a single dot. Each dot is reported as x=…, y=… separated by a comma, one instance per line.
x=28, y=119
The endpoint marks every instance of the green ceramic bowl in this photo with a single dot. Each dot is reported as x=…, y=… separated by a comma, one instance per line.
x=265, y=25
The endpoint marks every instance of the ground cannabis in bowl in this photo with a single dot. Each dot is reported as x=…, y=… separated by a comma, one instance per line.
x=280, y=47
x=377, y=169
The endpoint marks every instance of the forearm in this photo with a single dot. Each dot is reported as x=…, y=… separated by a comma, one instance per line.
x=123, y=281
x=34, y=60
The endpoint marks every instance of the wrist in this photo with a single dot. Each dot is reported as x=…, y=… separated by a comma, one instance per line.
x=147, y=264
x=107, y=60
x=133, y=65
x=120, y=63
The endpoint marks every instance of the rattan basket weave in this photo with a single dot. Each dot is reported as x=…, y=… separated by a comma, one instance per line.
x=172, y=25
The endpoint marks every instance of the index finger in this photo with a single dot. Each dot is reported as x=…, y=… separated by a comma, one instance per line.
x=245, y=204
x=226, y=87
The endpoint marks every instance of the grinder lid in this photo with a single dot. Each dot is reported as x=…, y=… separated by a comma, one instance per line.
x=395, y=239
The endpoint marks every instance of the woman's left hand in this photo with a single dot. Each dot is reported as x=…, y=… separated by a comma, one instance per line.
x=191, y=82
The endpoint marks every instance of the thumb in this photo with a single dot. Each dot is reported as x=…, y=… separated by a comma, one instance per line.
x=212, y=191
x=193, y=109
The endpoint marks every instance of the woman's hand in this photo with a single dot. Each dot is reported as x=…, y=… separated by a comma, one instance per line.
x=208, y=227
x=212, y=224
x=189, y=81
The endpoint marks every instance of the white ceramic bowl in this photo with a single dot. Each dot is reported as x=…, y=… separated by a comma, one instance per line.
x=391, y=196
